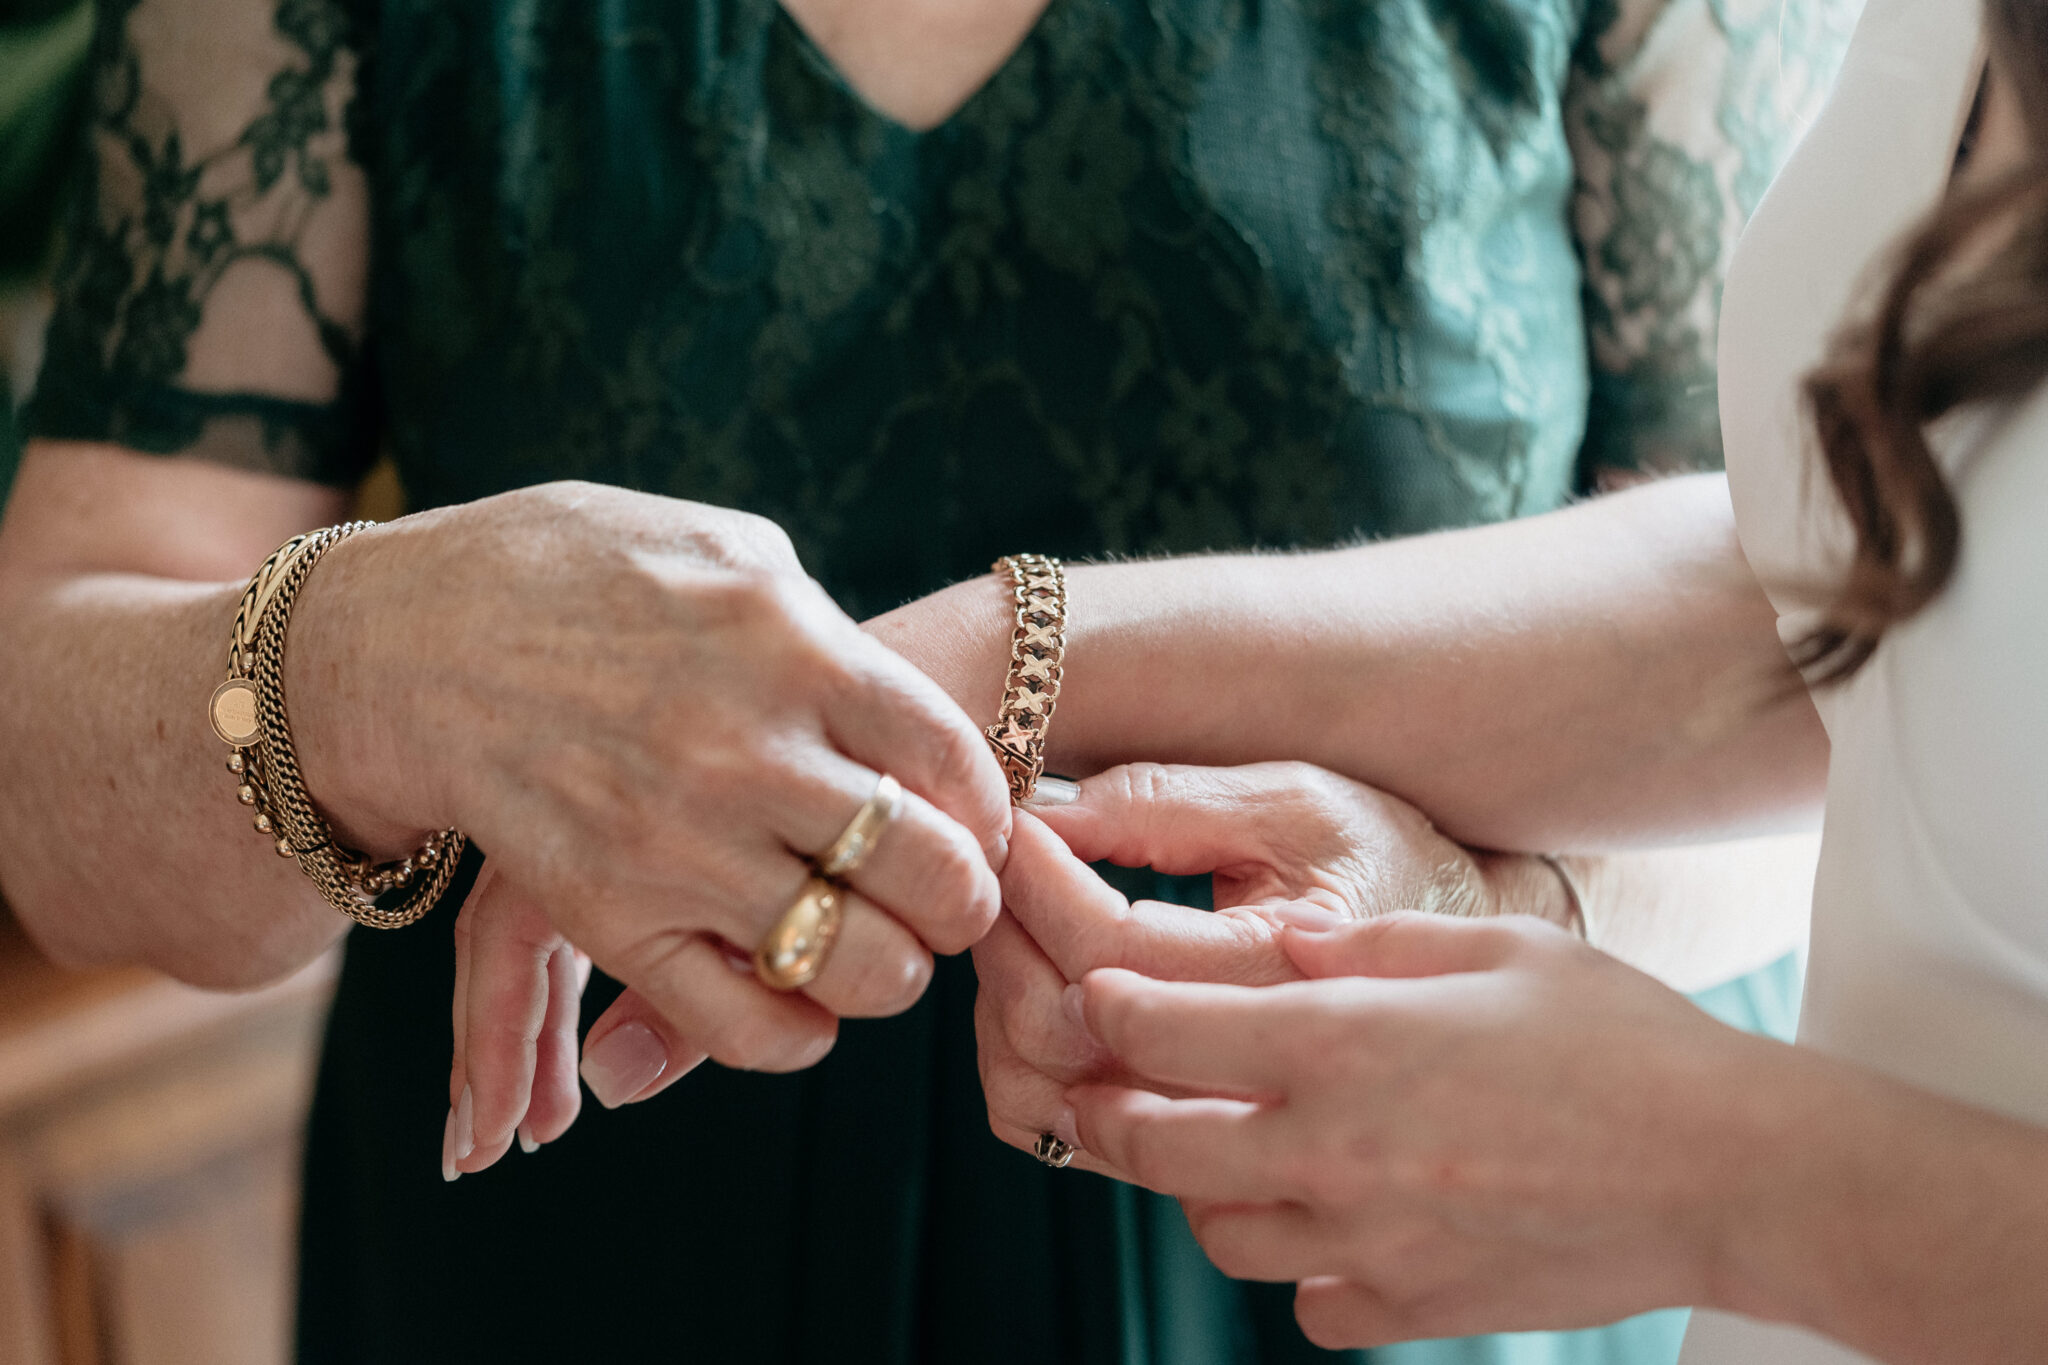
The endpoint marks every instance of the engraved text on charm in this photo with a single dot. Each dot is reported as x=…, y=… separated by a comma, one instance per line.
x=233, y=712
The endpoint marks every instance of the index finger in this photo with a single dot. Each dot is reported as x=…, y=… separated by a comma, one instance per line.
x=1207, y=1149
x=1199, y=1036
x=896, y=720
x=1082, y=923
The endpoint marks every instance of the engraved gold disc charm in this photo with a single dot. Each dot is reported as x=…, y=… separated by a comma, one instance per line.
x=793, y=952
x=233, y=712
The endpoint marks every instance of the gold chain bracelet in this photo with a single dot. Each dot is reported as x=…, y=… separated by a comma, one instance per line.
x=248, y=712
x=1038, y=653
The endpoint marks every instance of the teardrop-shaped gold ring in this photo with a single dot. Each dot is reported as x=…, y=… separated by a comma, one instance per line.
x=863, y=832
x=792, y=953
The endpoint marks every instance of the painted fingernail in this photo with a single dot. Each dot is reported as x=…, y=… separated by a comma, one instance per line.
x=1073, y=1004
x=1054, y=791
x=1309, y=918
x=527, y=1143
x=623, y=1063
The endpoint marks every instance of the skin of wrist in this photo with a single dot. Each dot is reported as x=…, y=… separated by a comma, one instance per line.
x=343, y=685
x=1782, y=1143
x=960, y=638
x=1523, y=884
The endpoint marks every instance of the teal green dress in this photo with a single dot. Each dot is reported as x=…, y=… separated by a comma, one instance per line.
x=1185, y=275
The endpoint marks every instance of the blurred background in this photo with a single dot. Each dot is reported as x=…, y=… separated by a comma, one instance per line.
x=149, y=1133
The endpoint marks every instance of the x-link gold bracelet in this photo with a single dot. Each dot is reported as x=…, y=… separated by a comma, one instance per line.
x=248, y=712
x=1038, y=654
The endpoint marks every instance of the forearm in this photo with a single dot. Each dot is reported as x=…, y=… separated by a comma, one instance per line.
x=120, y=835
x=1695, y=916
x=1605, y=676
x=1906, y=1225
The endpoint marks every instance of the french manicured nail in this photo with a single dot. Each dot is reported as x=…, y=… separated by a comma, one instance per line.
x=458, y=1140
x=1073, y=1004
x=1311, y=919
x=623, y=1063
x=1054, y=791
x=527, y=1142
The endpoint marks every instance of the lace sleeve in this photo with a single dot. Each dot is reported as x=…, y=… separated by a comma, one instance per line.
x=1679, y=113
x=210, y=290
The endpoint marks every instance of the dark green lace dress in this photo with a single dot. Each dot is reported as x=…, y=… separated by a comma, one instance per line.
x=1216, y=272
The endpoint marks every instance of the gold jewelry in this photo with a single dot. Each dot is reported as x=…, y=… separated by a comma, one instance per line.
x=793, y=952
x=863, y=832
x=1038, y=653
x=248, y=713
x=1575, y=903
x=1052, y=1151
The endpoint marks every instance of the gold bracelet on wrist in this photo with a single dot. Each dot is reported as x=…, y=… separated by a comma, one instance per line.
x=1038, y=652
x=248, y=713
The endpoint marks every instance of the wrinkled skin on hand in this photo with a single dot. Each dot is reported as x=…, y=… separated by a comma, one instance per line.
x=1454, y=1127
x=1285, y=843
x=648, y=717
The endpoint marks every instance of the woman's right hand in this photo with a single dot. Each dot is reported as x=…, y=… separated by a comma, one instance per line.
x=649, y=718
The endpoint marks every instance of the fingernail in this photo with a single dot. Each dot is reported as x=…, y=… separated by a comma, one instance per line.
x=1073, y=1004
x=527, y=1143
x=1309, y=918
x=458, y=1139
x=448, y=1156
x=623, y=1063
x=1066, y=1128
x=1054, y=791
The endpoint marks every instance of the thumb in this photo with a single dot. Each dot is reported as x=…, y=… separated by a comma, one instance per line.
x=1407, y=944
x=1182, y=821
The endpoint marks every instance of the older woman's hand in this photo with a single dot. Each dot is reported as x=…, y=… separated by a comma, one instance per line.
x=1285, y=843
x=648, y=717
x=1459, y=1127
x=1063, y=920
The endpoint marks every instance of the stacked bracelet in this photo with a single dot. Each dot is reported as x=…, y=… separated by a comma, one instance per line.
x=248, y=712
x=1038, y=651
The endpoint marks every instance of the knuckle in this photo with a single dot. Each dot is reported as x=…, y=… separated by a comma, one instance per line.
x=887, y=982
x=752, y=1042
x=963, y=892
x=1032, y=1034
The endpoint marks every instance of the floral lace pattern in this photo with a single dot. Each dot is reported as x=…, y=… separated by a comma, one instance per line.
x=1236, y=273
x=1679, y=113
x=158, y=224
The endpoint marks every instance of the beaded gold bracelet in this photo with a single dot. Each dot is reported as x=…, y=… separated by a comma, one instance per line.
x=1038, y=653
x=248, y=713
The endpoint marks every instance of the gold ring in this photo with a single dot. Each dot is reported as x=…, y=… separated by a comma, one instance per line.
x=793, y=952
x=863, y=832
x=1053, y=1151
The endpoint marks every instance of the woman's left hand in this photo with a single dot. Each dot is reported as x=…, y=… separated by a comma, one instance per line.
x=1464, y=1126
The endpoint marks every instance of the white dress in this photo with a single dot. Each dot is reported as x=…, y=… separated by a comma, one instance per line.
x=1930, y=924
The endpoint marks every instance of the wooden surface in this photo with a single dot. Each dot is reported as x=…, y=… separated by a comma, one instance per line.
x=149, y=1148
